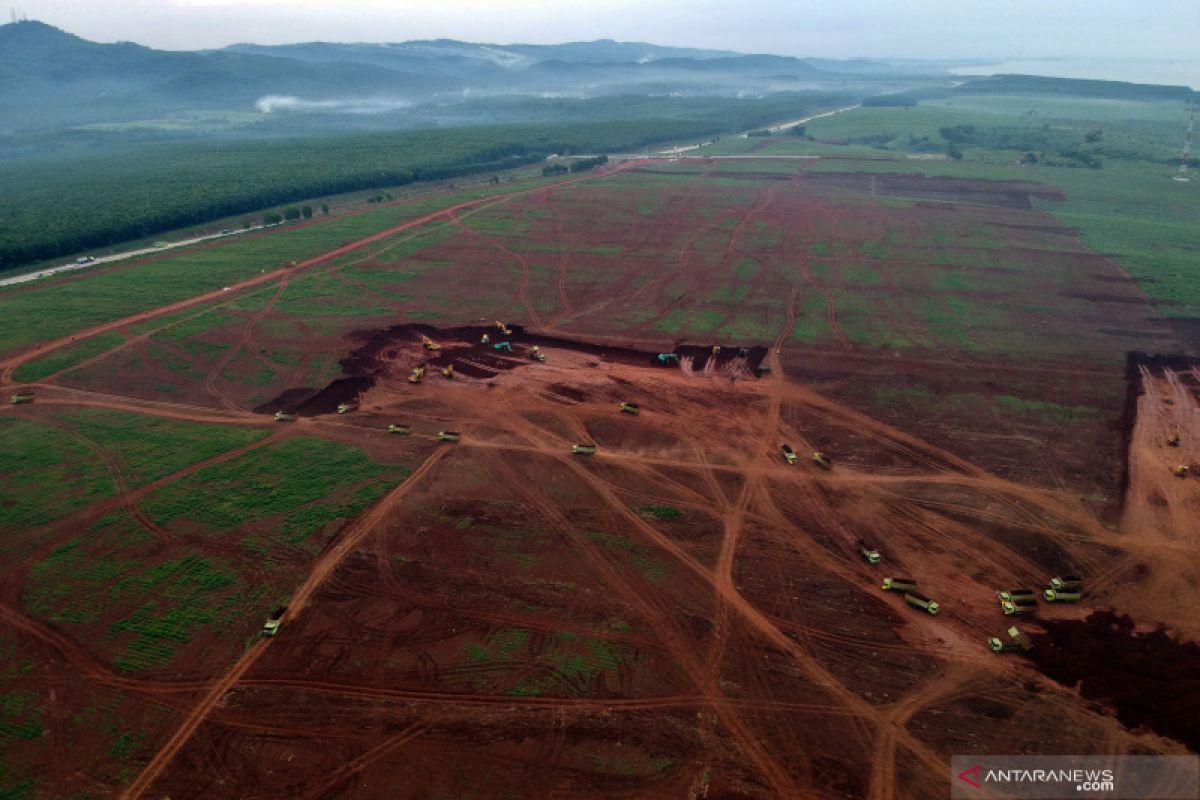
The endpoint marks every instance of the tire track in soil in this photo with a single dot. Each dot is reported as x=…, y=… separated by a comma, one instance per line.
x=244, y=342
x=659, y=618
x=831, y=314
x=324, y=567
x=348, y=770
x=523, y=286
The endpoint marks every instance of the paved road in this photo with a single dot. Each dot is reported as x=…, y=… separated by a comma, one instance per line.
x=51, y=271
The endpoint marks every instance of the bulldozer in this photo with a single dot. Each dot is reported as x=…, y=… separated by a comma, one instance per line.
x=536, y=354
x=448, y=372
x=25, y=396
x=430, y=344
x=283, y=416
x=401, y=430
x=504, y=329
x=417, y=374
x=631, y=408
x=1181, y=471
x=821, y=460
x=502, y=347
x=1174, y=440
x=347, y=407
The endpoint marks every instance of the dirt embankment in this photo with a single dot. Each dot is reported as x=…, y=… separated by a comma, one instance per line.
x=380, y=352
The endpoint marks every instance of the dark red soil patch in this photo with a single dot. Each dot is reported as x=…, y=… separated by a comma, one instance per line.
x=1150, y=679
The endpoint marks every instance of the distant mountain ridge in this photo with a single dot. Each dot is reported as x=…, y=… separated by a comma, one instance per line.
x=49, y=76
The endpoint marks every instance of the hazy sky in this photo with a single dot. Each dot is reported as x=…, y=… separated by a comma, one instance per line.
x=837, y=28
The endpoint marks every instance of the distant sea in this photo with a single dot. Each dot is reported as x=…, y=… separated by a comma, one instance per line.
x=1168, y=73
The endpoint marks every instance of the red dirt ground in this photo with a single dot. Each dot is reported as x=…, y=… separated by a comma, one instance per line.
x=515, y=621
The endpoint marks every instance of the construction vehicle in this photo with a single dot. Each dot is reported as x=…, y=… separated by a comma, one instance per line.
x=430, y=344
x=347, y=407
x=1020, y=642
x=1068, y=582
x=922, y=602
x=536, y=354
x=504, y=329
x=1017, y=601
x=24, y=396
x=583, y=449
x=667, y=359
x=1174, y=440
x=1021, y=639
x=502, y=347
x=401, y=430
x=1062, y=595
x=448, y=372
x=448, y=436
x=271, y=627
x=485, y=339
x=716, y=349
x=899, y=585
x=822, y=460
x=283, y=416
x=789, y=455
x=1021, y=605
x=631, y=408
x=869, y=553
x=1181, y=471
x=417, y=374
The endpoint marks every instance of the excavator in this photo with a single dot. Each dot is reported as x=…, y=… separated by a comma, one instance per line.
x=1174, y=440
x=821, y=460
x=448, y=372
x=417, y=374
x=1181, y=471
x=504, y=329
x=430, y=344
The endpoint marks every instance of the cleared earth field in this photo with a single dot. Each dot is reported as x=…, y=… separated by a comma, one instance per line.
x=681, y=614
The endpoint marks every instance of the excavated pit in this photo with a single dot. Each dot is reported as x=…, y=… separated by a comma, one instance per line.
x=380, y=352
x=1150, y=679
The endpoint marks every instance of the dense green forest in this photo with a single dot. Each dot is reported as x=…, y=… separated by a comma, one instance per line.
x=55, y=205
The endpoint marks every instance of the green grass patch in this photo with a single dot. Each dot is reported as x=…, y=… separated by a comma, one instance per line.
x=288, y=482
x=662, y=513
x=66, y=357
